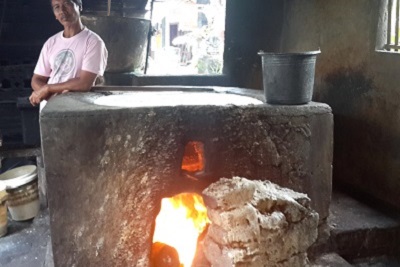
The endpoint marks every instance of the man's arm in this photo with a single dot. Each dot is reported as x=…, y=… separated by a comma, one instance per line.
x=38, y=81
x=79, y=84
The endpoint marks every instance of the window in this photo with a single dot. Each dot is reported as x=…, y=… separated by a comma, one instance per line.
x=393, y=28
x=188, y=37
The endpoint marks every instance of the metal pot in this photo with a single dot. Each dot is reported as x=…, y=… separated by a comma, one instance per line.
x=125, y=38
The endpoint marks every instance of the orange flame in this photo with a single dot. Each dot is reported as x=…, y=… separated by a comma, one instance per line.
x=193, y=158
x=181, y=220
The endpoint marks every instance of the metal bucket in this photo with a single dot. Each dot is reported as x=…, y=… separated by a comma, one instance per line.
x=288, y=78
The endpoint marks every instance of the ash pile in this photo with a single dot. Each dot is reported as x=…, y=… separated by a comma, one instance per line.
x=257, y=224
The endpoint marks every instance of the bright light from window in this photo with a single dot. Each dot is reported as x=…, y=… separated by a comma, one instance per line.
x=393, y=30
x=188, y=37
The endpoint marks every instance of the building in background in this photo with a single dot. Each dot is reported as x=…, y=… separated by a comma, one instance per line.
x=188, y=37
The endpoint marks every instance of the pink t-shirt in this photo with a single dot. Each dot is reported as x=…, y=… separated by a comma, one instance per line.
x=62, y=59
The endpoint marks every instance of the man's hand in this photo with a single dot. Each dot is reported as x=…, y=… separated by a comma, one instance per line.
x=40, y=95
x=43, y=91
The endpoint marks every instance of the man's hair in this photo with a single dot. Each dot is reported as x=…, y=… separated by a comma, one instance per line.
x=78, y=2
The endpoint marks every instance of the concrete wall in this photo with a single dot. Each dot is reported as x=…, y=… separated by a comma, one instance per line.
x=361, y=85
x=251, y=26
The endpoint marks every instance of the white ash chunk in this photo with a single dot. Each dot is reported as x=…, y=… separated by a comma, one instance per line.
x=246, y=215
x=257, y=224
x=226, y=196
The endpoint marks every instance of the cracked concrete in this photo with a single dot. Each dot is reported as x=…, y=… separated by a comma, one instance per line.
x=26, y=243
x=134, y=155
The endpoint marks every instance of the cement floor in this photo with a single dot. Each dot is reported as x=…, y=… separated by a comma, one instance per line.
x=25, y=244
x=362, y=235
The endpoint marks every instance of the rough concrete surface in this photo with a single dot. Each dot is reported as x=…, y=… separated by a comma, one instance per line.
x=382, y=261
x=359, y=79
x=107, y=167
x=26, y=243
x=330, y=260
x=360, y=231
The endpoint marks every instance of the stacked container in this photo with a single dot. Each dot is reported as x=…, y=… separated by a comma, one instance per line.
x=23, y=193
x=3, y=209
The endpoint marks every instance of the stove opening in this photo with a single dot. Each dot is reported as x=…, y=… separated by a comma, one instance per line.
x=193, y=158
x=180, y=223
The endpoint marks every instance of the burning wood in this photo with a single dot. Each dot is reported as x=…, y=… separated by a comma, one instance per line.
x=200, y=259
x=163, y=255
x=257, y=224
x=181, y=220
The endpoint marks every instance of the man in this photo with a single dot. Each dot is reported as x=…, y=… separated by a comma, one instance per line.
x=70, y=60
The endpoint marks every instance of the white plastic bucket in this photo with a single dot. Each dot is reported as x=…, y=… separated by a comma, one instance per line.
x=23, y=194
x=3, y=209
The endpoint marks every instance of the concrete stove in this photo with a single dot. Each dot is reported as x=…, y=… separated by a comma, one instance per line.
x=111, y=155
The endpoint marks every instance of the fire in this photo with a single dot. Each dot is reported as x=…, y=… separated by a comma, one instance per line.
x=193, y=158
x=181, y=220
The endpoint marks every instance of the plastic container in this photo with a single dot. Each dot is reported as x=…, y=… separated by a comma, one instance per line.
x=23, y=193
x=3, y=210
x=288, y=78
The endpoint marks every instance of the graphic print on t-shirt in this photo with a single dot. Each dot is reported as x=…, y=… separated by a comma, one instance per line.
x=64, y=63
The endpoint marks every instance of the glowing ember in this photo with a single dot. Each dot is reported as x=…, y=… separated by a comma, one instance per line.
x=193, y=159
x=181, y=220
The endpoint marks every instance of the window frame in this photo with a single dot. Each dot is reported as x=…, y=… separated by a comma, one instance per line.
x=389, y=45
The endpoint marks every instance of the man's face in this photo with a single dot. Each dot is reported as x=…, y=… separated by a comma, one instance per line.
x=66, y=11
